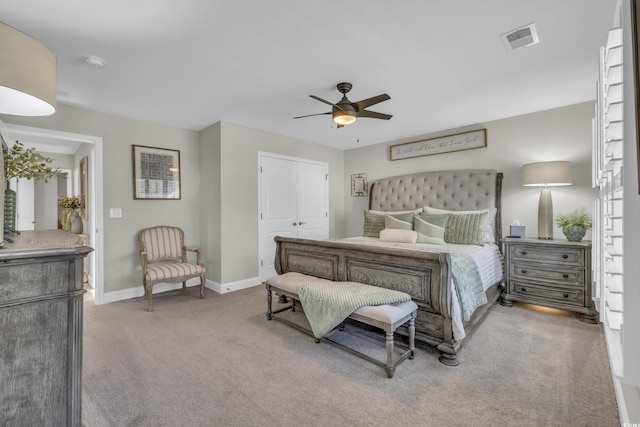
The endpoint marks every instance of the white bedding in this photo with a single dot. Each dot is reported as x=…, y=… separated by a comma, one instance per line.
x=487, y=257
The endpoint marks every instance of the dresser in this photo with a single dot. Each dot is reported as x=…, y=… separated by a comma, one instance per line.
x=41, y=300
x=552, y=273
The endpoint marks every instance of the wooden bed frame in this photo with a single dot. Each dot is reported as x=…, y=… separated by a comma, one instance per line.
x=424, y=276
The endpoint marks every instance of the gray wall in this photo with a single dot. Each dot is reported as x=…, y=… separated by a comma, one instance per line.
x=558, y=134
x=236, y=235
x=121, y=261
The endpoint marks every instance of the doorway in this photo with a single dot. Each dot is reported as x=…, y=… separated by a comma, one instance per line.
x=78, y=146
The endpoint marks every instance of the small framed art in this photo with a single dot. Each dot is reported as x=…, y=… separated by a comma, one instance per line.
x=359, y=186
x=156, y=173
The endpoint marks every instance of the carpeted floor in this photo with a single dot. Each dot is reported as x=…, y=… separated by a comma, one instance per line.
x=220, y=362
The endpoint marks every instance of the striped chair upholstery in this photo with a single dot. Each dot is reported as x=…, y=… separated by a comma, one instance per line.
x=163, y=256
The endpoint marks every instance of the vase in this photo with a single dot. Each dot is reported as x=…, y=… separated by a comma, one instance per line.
x=76, y=223
x=70, y=221
x=575, y=233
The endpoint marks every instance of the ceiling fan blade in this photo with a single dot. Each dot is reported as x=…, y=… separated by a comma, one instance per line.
x=310, y=115
x=326, y=102
x=361, y=105
x=374, y=115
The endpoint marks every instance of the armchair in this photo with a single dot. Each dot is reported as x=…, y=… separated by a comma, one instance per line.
x=163, y=256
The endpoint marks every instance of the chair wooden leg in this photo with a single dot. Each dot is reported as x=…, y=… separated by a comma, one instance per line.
x=184, y=286
x=149, y=290
x=202, y=281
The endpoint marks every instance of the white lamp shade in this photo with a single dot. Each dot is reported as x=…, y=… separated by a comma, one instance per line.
x=547, y=173
x=27, y=75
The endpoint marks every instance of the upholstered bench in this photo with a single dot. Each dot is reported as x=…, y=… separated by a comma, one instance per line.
x=387, y=317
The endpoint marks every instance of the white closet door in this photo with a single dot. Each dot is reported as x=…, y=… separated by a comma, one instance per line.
x=278, y=208
x=313, y=221
x=293, y=203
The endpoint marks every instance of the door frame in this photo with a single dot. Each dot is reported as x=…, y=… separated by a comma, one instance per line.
x=262, y=154
x=95, y=221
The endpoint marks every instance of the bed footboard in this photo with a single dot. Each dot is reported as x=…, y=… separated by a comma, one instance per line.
x=424, y=276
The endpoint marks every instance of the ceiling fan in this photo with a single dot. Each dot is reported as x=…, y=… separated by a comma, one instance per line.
x=345, y=112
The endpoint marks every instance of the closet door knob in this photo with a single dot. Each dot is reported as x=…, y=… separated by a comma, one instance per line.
x=300, y=223
x=294, y=224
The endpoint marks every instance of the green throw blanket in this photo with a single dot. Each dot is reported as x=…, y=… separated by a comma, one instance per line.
x=328, y=304
x=467, y=278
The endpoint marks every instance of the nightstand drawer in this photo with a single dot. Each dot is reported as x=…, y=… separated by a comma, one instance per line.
x=567, y=296
x=555, y=274
x=564, y=256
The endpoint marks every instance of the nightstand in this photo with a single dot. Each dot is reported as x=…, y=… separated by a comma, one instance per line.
x=553, y=273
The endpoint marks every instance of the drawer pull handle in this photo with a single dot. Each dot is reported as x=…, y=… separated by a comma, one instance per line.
x=565, y=256
x=524, y=289
x=523, y=252
x=565, y=275
x=523, y=271
x=565, y=295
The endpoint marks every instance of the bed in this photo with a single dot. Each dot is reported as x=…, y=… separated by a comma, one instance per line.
x=429, y=270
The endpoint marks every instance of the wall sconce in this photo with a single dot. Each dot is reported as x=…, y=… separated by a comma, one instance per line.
x=545, y=175
x=27, y=75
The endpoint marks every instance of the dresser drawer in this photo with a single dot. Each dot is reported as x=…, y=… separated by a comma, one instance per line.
x=566, y=296
x=546, y=254
x=556, y=274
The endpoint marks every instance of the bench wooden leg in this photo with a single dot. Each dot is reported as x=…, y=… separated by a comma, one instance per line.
x=389, y=367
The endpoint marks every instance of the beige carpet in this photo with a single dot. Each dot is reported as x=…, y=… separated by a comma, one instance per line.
x=220, y=362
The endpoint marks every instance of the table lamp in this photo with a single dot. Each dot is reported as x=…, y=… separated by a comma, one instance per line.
x=545, y=175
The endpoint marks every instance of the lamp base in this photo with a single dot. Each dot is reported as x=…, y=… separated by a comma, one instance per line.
x=545, y=215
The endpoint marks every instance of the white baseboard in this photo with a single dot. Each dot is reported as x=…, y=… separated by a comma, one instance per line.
x=138, y=291
x=233, y=286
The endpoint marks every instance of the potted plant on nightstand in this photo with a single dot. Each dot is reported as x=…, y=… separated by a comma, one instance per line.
x=574, y=225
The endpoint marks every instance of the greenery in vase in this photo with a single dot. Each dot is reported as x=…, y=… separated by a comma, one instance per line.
x=27, y=163
x=72, y=202
x=576, y=218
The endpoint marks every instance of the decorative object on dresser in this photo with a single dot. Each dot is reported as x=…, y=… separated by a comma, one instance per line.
x=551, y=273
x=545, y=175
x=574, y=225
x=41, y=293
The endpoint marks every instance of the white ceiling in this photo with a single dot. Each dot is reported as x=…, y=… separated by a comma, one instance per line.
x=195, y=62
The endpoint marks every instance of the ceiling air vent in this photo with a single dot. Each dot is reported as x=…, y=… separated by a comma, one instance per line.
x=520, y=37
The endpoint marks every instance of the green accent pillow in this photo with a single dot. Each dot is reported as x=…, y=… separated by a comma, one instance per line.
x=402, y=221
x=465, y=229
x=430, y=228
x=373, y=224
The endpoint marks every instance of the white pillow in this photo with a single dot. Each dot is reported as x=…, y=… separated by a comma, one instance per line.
x=488, y=236
x=398, y=235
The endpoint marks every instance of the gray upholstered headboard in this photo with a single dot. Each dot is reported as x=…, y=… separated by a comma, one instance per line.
x=456, y=190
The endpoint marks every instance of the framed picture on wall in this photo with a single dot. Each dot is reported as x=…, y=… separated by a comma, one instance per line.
x=156, y=173
x=84, y=188
x=359, y=185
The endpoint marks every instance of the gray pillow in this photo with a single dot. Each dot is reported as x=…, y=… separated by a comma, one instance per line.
x=373, y=224
x=430, y=228
x=466, y=229
x=403, y=221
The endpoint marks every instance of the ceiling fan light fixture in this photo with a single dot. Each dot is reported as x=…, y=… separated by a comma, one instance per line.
x=344, y=117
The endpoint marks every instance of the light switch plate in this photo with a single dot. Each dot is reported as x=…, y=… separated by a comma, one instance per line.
x=115, y=213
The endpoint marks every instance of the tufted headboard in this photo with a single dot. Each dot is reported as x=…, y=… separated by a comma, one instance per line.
x=456, y=190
